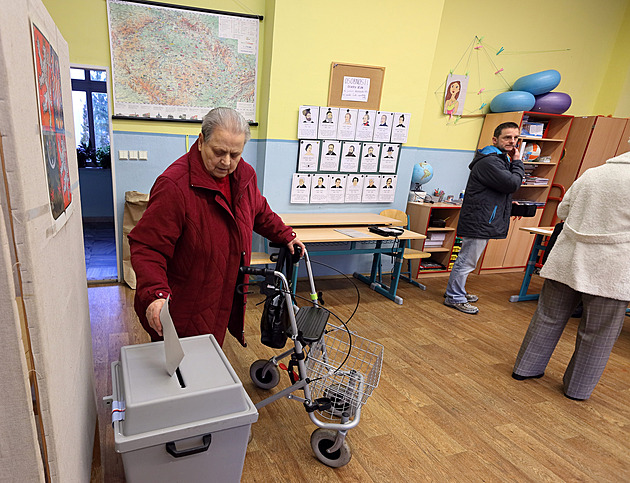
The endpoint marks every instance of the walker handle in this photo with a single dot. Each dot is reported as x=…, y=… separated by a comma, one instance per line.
x=256, y=271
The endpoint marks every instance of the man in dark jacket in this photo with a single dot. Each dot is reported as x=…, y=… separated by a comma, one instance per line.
x=495, y=173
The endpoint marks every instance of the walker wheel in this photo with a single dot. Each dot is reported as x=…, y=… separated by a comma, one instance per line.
x=264, y=374
x=322, y=440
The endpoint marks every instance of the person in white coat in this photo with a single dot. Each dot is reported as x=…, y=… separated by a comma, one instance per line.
x=590, y=263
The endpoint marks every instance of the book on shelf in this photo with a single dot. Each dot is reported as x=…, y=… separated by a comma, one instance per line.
x=534, y=180
x=431, y=265
x=432, y=243
x=436, y=236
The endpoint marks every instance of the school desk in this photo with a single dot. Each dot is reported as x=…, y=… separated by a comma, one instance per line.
x=358, y=235
x=541, y=233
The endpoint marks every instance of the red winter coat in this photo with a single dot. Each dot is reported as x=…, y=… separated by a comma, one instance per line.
x=190, y=243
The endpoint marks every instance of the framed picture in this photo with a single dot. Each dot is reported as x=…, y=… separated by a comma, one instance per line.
x=355, y=86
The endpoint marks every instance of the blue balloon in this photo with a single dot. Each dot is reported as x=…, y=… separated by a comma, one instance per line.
x=422, y=173
x=538, y=83
x=512, y=101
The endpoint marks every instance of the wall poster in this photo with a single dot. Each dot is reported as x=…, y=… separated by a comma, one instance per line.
x=52, y=125
x=177, y=63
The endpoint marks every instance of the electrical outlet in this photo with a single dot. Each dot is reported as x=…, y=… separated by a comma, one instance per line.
x=123, y=154
x=142, y=155
x=133, y=154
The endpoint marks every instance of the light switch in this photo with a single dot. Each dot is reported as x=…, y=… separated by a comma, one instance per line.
x=123, y=154
x=133, y=154
x=142, y=155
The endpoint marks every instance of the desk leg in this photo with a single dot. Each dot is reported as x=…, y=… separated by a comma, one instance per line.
x=529, y=271
x=386, y=291
x=376, y=263
x=413, y=282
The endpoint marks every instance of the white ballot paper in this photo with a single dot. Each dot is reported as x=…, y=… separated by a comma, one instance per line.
x=172, y=345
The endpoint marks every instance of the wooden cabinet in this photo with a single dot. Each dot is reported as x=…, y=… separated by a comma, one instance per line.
x=624, y=142
x=420, y=216
x=512, y=252
x=591, y=141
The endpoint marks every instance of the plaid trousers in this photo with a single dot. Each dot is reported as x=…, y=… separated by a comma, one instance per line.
x=602, y=320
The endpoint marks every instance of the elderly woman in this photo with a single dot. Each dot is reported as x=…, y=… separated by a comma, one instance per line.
x=197, y=231
x=589, y=263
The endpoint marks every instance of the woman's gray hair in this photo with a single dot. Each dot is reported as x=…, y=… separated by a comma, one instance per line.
x=224, y=118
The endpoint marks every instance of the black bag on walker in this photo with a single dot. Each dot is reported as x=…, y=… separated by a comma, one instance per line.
x=275, y=318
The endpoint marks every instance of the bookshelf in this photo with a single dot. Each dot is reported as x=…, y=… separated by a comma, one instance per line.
x=441, y=242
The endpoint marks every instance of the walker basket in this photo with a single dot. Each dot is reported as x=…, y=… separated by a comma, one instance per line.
x=344, y=368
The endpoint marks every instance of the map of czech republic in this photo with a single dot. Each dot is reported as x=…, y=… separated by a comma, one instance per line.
x=178, y=64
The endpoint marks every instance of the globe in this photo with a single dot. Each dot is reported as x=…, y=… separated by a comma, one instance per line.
x=422, y=173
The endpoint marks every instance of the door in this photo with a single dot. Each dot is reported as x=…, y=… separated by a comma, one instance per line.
x=90, y=100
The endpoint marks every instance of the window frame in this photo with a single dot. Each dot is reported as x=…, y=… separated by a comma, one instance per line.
x=89, y=86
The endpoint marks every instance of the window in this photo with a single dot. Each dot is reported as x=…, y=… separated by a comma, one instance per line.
x=91, y=117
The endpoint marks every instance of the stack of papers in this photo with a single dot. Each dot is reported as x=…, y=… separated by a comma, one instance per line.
x=434, y=239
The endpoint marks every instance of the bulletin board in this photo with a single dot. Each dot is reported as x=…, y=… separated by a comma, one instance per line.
x=339, y=70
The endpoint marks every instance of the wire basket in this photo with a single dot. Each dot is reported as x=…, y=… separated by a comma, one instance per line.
x=344, y=368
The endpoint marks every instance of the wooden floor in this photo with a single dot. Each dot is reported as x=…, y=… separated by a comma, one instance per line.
x=446, y=408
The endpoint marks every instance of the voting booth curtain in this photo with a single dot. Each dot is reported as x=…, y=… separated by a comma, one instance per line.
x=47, y=376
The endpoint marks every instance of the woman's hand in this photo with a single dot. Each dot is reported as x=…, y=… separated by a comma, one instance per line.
x=296, y=242
x=153, y=315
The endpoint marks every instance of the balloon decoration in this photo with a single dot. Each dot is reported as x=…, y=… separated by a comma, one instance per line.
x=533, y=92
x=512, y=101
x=552, y=102
x=538, y=83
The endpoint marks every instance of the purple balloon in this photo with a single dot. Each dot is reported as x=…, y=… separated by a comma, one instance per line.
x=552, y=103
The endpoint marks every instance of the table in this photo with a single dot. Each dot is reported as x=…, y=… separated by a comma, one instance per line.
x=330, y=234
x=541, y=233
x=337, y=219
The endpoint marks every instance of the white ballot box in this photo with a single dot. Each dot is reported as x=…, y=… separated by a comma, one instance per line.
x=192, y=426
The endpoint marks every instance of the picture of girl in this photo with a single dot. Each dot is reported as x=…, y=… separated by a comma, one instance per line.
x=451, y=102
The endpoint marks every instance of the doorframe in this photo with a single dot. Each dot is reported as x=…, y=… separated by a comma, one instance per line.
x=112, y=151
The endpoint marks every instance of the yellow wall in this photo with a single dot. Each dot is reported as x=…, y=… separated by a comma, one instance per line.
x=528, y=32
x=309, y=36
x=614, y=95
x=418, y=42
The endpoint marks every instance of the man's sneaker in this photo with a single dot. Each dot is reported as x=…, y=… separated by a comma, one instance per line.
x=464, y=307
x=469, y=297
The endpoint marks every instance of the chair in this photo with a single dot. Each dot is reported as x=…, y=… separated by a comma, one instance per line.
x=260, y=258
x=409, y=253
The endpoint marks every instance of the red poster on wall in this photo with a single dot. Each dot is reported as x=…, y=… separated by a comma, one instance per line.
x=52, y=123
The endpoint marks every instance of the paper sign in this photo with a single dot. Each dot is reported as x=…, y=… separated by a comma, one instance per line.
x=172, y=345
x=355, y=89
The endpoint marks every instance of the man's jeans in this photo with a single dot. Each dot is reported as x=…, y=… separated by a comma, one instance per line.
x=466, y=261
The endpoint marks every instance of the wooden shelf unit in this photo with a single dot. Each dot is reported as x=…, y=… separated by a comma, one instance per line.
x=591, y=141
x=511, y=253
x=419, y=216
